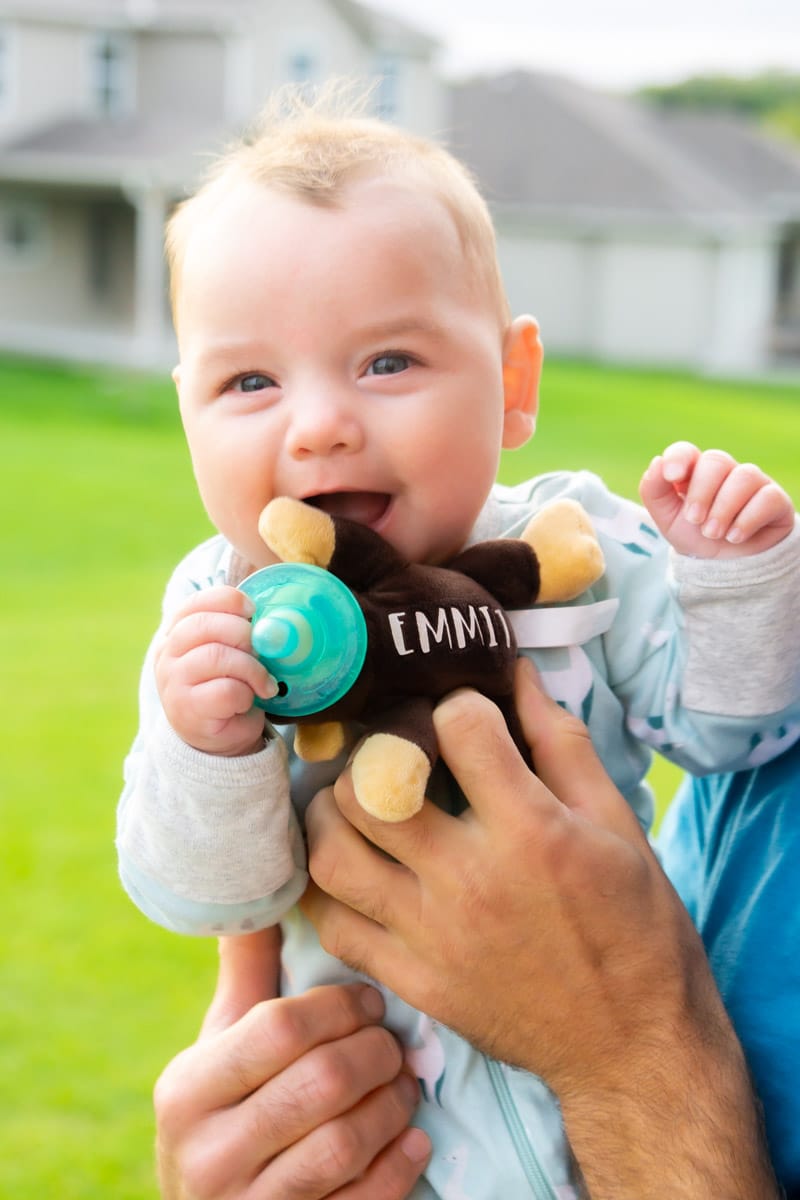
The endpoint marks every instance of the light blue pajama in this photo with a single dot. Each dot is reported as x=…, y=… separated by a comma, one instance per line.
x=694, y=658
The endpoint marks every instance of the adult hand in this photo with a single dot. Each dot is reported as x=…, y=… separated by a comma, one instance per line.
x=287, y=1099
x=540, y=926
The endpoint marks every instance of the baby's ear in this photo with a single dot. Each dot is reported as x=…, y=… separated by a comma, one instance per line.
x=523, y=354
x=176, y=378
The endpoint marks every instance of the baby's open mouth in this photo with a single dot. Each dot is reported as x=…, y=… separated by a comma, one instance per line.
x=367, y=508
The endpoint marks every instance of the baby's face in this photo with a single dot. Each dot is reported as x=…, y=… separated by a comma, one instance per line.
x=343, y=356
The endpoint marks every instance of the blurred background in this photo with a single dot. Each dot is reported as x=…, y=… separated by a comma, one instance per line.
x=642, y=218
x=643, y=168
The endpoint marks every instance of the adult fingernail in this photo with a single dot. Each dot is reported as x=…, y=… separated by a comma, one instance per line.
x=409, y=1088
x=372, y=1004
x=528, y=669
x=415, y=1145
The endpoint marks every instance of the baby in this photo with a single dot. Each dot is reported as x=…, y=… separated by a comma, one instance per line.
x=345, y=340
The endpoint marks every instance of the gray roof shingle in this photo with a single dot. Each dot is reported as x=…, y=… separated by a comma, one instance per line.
x=540, y=142
x=172, y=150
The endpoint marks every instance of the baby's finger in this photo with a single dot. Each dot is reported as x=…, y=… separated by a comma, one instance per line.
x=734, y=493
x=711, y=470
x=768, y=506
x=222, y=599
x=215, y=662
x=208, y=628
x=217, y=701
x=654, y=487
x=678, y=461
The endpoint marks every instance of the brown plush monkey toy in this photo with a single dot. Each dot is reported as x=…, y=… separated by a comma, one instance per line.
x=428, y=630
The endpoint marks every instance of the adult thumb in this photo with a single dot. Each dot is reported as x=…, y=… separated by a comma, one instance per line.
x=566, y=761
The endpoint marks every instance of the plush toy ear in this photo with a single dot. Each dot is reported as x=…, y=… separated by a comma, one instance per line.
x=523, y=354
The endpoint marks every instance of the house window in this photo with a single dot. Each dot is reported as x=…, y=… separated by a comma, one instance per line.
x=5, y=69
x=110, y=74
x=387, y=70
x=302, y=67
x=23, y=233
x=303, y=57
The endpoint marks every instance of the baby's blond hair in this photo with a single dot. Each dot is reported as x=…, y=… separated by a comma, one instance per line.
x=312, y=146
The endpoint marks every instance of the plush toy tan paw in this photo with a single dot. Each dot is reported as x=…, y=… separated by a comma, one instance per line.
x=566, y=545
x=320, y=742
x=296, y=532
x=390, y=775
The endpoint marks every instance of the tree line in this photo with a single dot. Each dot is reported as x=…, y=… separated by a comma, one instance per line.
x=771, y=98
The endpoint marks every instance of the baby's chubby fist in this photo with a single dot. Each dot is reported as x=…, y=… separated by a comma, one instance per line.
x=207, y=675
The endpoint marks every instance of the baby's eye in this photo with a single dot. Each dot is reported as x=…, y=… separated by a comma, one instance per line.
x=389, y=364
x=253, y=383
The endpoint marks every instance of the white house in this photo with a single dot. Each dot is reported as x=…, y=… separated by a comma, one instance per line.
x=108, y=110
x=634, y=235
x=631, y=235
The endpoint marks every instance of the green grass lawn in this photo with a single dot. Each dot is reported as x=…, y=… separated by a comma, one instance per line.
x=98, y=503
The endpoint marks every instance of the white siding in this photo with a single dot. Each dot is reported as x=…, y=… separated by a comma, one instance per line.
x=421, y=98
x=308, y=28
x=9, y=99
x=181, y=72
x=653, y=301
x=549, y=275
x=50, y=73
x=679, y=299
x=742, y=305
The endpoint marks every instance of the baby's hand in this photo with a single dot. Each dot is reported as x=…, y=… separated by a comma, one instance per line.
x=709, y=506
x=207, y=674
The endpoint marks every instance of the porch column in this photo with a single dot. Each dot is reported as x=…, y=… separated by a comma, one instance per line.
x=152, y=330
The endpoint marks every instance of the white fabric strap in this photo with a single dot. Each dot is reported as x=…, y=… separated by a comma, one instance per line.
x=541, y=627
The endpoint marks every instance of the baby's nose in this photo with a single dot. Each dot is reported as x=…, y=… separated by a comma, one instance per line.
x=323, y=425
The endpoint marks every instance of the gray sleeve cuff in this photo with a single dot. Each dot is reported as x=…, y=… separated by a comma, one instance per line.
x=207, y=829
x=742, y=628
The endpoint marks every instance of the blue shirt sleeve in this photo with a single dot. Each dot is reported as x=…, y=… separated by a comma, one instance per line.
x=731, y=845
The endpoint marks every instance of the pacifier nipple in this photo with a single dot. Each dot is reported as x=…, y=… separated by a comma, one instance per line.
x=283, y=635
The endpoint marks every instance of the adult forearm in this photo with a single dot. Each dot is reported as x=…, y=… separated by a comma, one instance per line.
x=685, y=1124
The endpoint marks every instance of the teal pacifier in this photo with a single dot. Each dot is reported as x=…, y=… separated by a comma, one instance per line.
x=309, y=632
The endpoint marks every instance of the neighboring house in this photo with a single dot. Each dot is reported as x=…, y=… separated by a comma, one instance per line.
x=108, y=111
x=634, y=235
x=631, y=235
